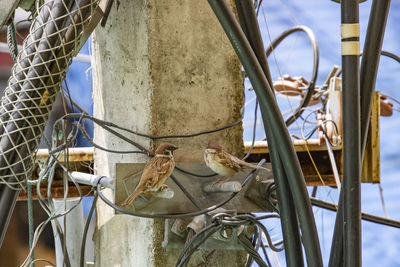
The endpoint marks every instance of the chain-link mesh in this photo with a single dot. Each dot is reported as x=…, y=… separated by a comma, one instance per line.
x=36, y=78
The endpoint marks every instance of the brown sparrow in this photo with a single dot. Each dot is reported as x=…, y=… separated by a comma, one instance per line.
x=224, y=163
x=156, y=171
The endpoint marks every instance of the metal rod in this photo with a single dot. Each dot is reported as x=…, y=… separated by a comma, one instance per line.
x=274, y=122
x=90, y=179
x=224, y=187
x=364, y=216
x=289, y=222
x=370, y=62
x=351, y=143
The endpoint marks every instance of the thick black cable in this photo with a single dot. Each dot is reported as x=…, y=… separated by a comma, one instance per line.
x=351, y=186
x=293, y=252
x=273, y=120
x=370, y=62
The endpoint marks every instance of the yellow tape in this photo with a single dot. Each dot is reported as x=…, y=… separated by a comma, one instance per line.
x=350, y=30
x=350, y=48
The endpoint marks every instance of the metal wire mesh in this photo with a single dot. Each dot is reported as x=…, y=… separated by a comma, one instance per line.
x=36, y=78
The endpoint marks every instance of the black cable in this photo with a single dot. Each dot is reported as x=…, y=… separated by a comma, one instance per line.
x=110, y=124
x=87, y=137
x=254, y=132
x=179, y=215
x=266, y=255
x=273, y=121
x=106, y=13
x=314, y=191
x=85, y=231
x=193, y=249
x=391, y=55
x=246, y=244
x=227, y=221
x=310, y=88
x=195, y=174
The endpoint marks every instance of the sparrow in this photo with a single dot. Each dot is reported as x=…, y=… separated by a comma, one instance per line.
x=156, y=171
x=224, y=163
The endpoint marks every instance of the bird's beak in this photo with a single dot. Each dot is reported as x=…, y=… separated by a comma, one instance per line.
x=175, y=148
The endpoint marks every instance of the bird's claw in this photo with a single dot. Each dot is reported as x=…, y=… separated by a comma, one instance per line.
x=163, y=187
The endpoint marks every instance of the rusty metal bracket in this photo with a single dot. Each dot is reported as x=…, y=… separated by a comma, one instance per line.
x=175, y=233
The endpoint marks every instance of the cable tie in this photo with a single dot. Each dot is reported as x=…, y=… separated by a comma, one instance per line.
x=349, y=30
x=350, y=48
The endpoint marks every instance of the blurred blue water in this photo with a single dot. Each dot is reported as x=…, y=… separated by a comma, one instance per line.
x=294, y=56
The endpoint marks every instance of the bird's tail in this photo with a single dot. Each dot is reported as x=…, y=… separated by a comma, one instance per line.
x=249, y=165
x=131, y=197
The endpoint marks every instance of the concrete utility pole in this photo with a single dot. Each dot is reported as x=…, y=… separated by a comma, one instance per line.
x=162, y=68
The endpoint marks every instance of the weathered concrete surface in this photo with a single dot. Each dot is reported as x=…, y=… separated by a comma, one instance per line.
x=162, y=68
x=196, y=77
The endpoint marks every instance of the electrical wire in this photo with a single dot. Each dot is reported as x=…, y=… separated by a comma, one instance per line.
x=221, y=221
x=333, y=162
x=310, y=88
x=86, y=229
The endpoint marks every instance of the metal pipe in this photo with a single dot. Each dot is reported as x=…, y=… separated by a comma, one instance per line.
x=93, y=180
x=370, y=62
x=351, y=140
x=289, y=222
x=273, y=119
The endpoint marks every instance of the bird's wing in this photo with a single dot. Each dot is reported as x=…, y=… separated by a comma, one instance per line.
x=156, y=171
x=226, y=160
x=243, y=163
x=154, y=174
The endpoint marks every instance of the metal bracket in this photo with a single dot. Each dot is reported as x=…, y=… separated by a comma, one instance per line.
x=128, y=175
x=176, y=232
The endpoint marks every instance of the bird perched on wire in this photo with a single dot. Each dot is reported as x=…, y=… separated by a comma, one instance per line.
x=224, y=163
x=156, y=171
